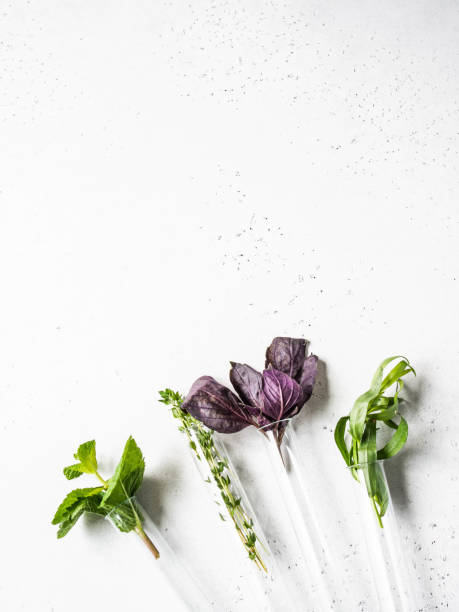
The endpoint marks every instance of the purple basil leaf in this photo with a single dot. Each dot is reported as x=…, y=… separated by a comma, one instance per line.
x=258, y=419
x=247, y=383
x=308, y=378
x=216, y=406
x=280, y=394
x=286, y=355
x=295, y=410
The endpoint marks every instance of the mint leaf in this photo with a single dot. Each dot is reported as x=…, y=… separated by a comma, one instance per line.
x=114, y=499
x=73, y=471
x=126, y=516
x=86, y=504
x=86, y=453
x=67, y=525
x=71, y=501
x=127, y=477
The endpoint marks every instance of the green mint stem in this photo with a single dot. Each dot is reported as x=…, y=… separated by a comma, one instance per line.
x=146, y=540
x=138, y=529
x=101, y=480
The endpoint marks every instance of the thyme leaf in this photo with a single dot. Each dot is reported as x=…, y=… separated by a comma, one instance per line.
x=201, y=441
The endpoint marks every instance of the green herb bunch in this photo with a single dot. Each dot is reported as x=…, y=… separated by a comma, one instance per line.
x=371, y=410
x=219, y=469
x=112, y=498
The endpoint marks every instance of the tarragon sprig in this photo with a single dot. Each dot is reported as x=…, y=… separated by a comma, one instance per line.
x=219, y=468
x=113, y=498
x=370, y=409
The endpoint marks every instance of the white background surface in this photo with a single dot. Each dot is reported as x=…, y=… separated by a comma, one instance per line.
x=180, y=183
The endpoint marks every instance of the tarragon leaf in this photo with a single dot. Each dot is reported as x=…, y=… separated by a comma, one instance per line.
x=367, y=454
x=361, y=404
x=401, y=369
x=370, y=408
x=374, y=477
x=396, y=442
x=381, y=491
x=340, y=431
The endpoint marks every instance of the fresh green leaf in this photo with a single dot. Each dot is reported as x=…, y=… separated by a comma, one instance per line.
x=340, y=431
x=385, y=415
x=367, y=452
x=381, y=494
x=127, y=477
x=361, y=404
x=380, y=405
x=374, y=477
x=219, y=469
x=359, y=413
x=401, y=369
x=126, y=516
x=397, y=441
x=86, y=504
x=370, y=408
x=68, y=523
x=73, y=471
x=71, y=501
x=106, y=499
x=86, y=453
x=367, y=455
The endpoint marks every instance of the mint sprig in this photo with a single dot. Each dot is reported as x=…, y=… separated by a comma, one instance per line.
x=86, y=454
x=371, y=411
x=113, y=498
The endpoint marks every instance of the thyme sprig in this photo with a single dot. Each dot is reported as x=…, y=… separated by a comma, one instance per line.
x=201, y=441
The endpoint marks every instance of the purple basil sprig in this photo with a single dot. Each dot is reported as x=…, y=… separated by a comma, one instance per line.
x=266, y=400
